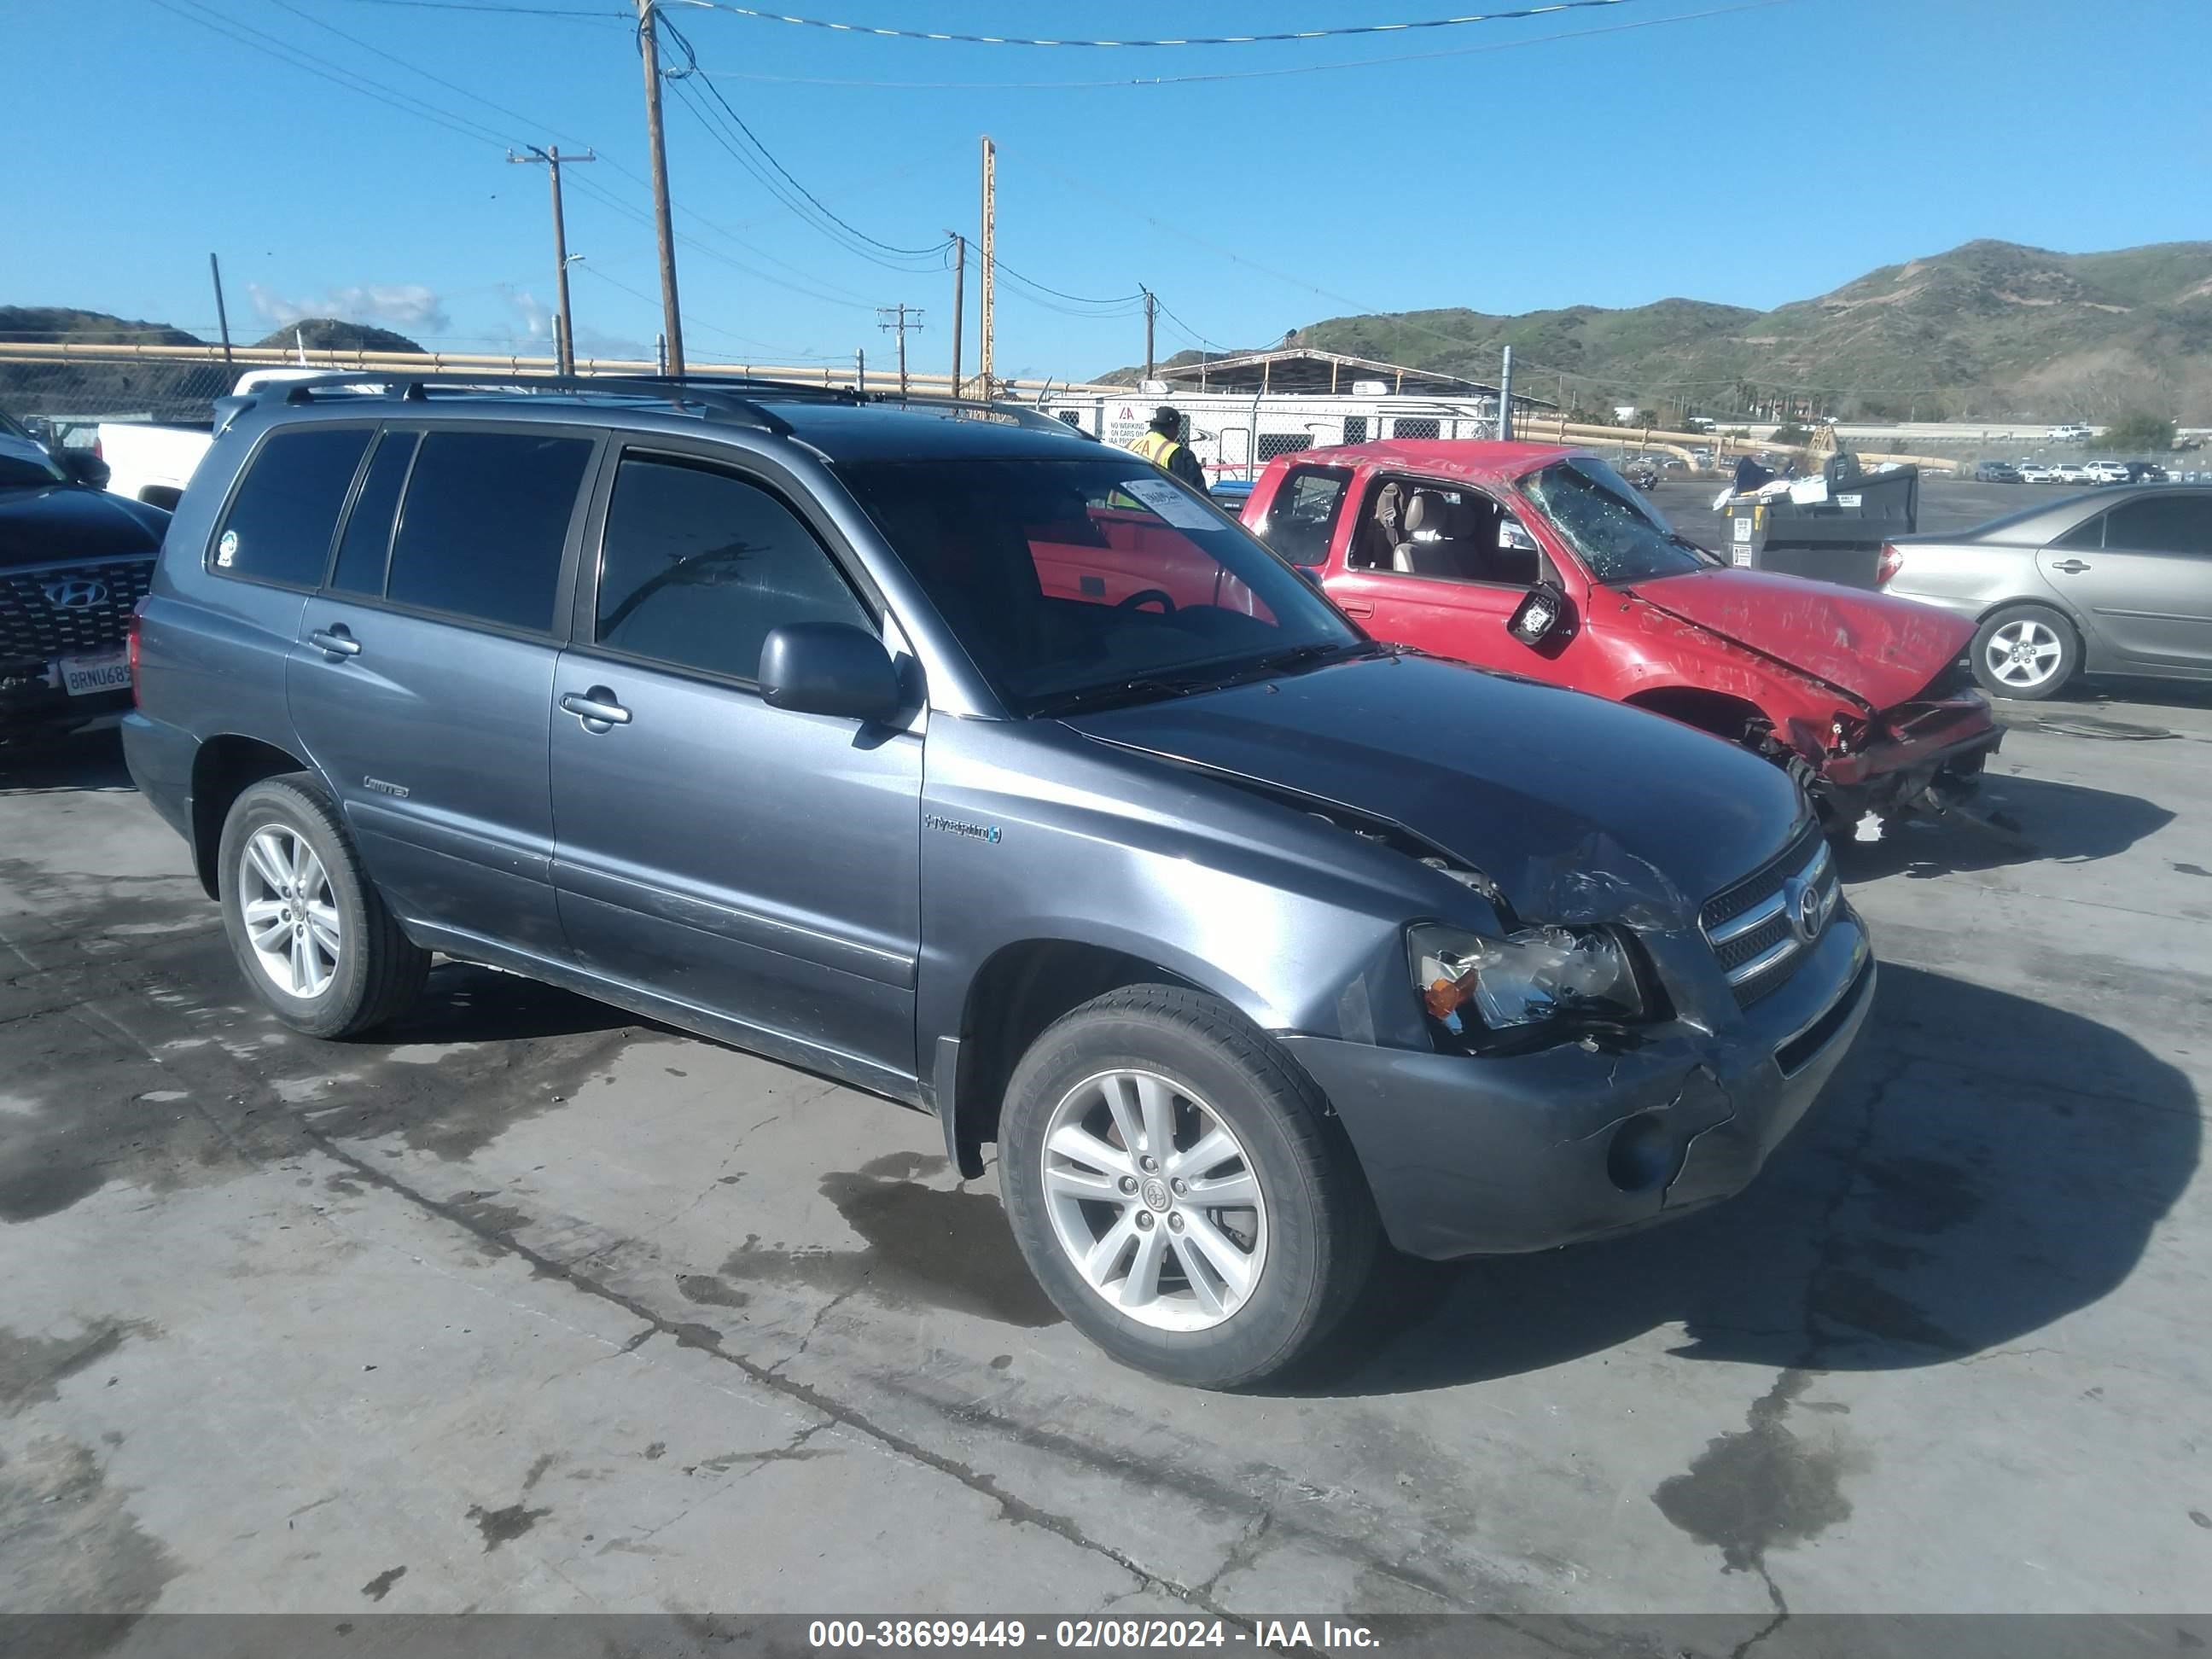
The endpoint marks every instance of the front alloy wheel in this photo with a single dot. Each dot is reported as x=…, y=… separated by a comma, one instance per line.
x=290, y=913
x=1154, y=1199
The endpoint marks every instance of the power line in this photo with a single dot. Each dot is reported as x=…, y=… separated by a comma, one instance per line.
x=1341, y=30
x=1125, y=81
x=1122, y=299
x=591, y=16
x=298, y=58
x=691, y=62
x=690, y=322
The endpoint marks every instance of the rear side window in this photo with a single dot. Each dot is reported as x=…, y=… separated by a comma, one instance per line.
x=2163, y=524
x=367, y=544
x=1302, y=520
x=280, y=523
x=2089, y=534
x=699, y=565
x=483, y=524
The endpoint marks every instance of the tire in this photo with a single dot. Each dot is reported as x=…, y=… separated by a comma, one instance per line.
x=1308, y=1242
x=2055, y=649
x=370, y=972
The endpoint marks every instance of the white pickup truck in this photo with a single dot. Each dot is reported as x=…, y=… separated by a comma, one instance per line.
x=152, y=461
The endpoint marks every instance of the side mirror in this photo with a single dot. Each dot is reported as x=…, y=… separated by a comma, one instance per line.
x=829, y=668
x=1312, y=575
x=1540, y=617
x=83, y=467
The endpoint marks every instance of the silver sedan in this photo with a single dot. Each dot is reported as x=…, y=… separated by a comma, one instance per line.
x=2118, y=581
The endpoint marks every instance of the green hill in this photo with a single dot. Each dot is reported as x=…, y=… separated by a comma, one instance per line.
x=1990, y=329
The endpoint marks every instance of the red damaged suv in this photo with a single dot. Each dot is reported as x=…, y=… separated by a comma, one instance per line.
x=1544, y=561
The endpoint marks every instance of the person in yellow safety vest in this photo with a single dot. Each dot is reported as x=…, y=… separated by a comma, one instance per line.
x=1163, y=446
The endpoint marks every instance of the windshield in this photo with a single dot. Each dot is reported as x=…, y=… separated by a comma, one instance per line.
x=1617, y=535
x=1077, y=582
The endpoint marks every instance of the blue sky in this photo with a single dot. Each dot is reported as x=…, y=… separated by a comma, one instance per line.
x=1763, y=154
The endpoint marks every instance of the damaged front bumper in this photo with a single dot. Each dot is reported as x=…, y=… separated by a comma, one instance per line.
x=1490, y=1155
x=1933, y=744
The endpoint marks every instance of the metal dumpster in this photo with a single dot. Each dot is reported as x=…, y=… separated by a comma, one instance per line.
x=1837, y=540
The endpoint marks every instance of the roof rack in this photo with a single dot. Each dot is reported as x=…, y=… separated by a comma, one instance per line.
x=998, y=409
x=728, y=397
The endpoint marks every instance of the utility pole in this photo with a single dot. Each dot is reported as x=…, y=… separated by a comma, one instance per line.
x=564, y=339
x=1152, y=308
x=222, y=315
x=959, y=282
x=990, y=255
x=861, y=371
x=1505, y=398
x=671, y=319
x=892, y=320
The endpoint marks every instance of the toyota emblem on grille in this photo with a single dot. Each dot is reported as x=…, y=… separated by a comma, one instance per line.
x=1807, y=913
x=79, y=593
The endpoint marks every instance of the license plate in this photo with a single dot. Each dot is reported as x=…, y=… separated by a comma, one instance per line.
x=100, y=671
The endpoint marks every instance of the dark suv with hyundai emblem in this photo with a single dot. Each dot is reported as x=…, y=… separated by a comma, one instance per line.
x=944, y=752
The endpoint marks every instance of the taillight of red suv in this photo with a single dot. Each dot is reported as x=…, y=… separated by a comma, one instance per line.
x=130, y=647
x=1888, y=565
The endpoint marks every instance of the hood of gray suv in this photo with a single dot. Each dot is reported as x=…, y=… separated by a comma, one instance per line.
x=1566, y=801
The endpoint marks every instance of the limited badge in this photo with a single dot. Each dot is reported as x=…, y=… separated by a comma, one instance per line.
x=226, y=549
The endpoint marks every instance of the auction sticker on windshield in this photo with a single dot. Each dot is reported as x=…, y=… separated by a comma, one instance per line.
x=1171, y=504
x=99, y=670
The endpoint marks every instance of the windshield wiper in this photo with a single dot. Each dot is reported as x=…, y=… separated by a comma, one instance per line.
x=1143, y=690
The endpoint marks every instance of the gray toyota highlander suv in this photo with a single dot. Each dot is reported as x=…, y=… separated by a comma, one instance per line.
x=947, y=753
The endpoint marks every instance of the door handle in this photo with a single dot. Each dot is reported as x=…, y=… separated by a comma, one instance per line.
x=1357, y=610
x=2071, y=567
x=336, y=641
x=596, y=708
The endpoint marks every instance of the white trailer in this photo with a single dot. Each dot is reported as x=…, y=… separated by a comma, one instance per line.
x=1236, y=435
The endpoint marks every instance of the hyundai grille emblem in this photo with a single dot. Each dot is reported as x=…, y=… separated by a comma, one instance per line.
x=79, y=593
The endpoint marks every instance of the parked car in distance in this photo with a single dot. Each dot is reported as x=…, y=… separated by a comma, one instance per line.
x=1996, y=472
x=2037, y=472
x=2119, y=581
x=2107, y=472
x=2145, y=472
x=2071, y=432
x=2072, y=472
x=1230, y=495
x=1542, y=561
x=1053, y=758
x=73, y=561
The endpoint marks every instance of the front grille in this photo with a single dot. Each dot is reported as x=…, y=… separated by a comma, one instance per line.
x=1754, y=927
x=65, y=610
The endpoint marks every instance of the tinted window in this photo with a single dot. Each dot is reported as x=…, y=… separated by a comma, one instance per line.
x=1303, y=518
x=1084, y=582
x=281, y=520
x=699, y=565
x=482, y=529
x=367, y=542
x=2163, y=524
x=2089, y=533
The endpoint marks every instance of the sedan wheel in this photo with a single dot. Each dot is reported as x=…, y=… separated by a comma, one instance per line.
x=1154, y=1199
x=2027, y=652
x=291, y=916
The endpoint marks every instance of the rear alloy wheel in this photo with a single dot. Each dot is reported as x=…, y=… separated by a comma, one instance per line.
x=1175, y=1182
x=2027, y=652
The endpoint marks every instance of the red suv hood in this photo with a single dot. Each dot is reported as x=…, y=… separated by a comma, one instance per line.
x=1881, y=650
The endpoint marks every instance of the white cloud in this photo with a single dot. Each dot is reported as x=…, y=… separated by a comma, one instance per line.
x=537, y=316
x=405, y=305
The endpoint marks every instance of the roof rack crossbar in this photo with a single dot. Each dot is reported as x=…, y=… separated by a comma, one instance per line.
x=741, y=397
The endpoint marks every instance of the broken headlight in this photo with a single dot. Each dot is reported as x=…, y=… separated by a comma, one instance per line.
x=1561, y=978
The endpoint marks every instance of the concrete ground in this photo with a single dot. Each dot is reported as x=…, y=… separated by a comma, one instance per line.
x=524, y=1306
